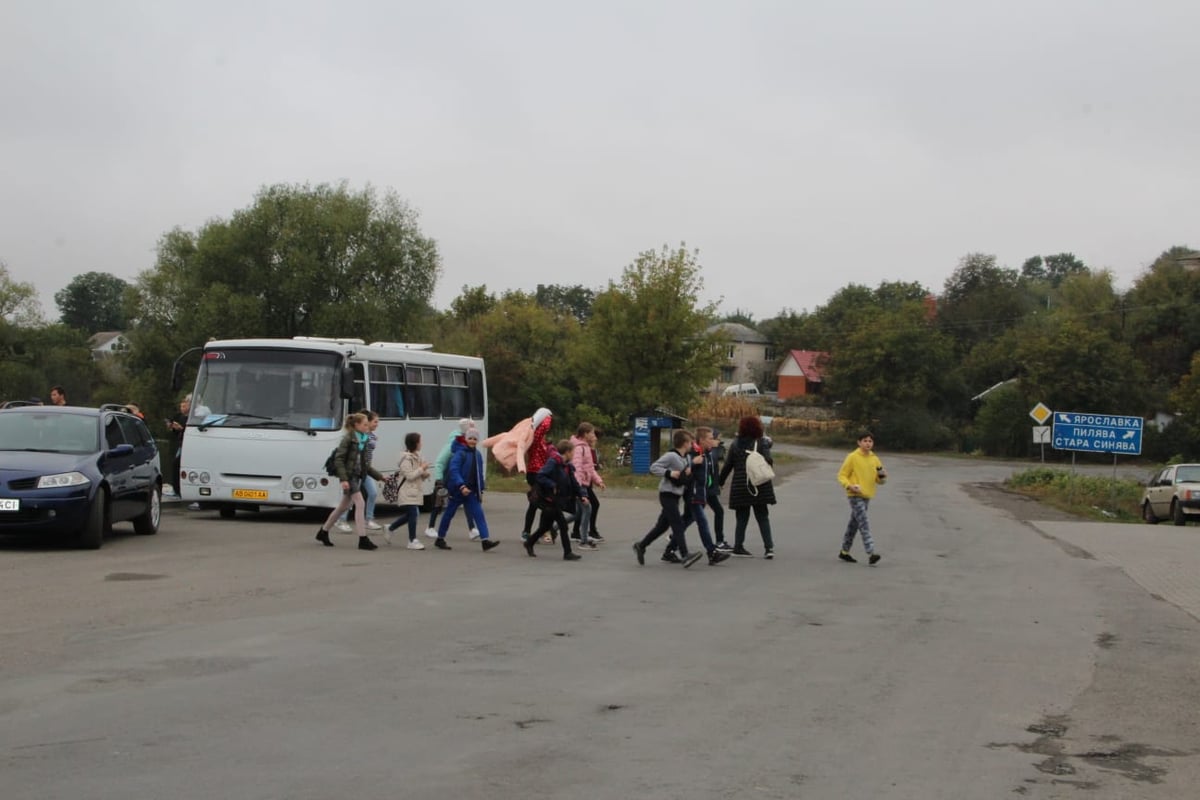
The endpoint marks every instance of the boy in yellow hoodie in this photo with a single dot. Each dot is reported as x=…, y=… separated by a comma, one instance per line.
x=860, y=473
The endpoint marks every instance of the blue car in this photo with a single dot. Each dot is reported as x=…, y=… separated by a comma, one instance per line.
x=73, y=471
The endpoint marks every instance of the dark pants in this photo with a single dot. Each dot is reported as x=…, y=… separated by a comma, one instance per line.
x=551, y=517
x=668, y=519
x=176, y=463
x=741, y=517
x=718, y=514
x=534, y=500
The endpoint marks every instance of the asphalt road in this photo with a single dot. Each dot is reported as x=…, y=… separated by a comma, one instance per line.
x=982, y=658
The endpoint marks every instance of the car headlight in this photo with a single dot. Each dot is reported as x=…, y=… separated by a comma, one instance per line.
x=62, y=479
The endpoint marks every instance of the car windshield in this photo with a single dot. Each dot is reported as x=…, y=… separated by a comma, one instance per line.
x=262, y=387
x=49, y=432
x=1189, y=474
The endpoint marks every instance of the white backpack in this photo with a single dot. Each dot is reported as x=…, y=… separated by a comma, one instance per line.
x=758, y=471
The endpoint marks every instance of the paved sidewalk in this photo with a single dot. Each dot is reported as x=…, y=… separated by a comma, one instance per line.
x=1164, y=559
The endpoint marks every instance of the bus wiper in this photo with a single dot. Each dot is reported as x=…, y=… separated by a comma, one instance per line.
x=220, y=419
x=278, y=423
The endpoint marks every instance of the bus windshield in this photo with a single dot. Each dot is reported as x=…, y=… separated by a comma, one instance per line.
x=264, y=388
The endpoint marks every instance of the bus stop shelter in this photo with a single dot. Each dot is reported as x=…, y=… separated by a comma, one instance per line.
x=647, y=436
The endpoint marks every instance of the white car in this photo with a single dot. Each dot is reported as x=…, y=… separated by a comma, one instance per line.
x=1173, y=492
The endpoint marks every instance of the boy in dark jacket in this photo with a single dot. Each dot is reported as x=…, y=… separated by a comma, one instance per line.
x=674, y=471
x=465, y=484
x=559, y=493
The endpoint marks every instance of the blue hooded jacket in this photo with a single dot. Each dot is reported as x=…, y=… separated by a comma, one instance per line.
x=465, y=468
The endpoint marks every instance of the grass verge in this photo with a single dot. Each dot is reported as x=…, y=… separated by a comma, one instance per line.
x=1088, y=496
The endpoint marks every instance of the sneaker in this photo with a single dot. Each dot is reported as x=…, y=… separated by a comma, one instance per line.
x=640, y=550
x=874, y=559
x=575, y=535
x=488, y=544
x=716, y=557
x=415, y=544
x=691, y=559
x=595, y=536
x=725, y=547
x=671, y=558
x=587, y=546
x=341, y=526
x=474, y=535
x=529, y=543
x=366, y=544
x=571, y=556
x=741, y=552
x=372, y=525
x=431, y=533
x=440, y=544
x=770, y=554
x=845, y=556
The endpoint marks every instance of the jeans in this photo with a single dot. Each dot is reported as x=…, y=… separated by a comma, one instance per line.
x=583, y=520
x=411, y=515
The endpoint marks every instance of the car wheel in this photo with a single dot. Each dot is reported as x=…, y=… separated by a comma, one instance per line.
x=92, y=535
x=147, y=524
x=1148, y=513
x=1177, y=513
x=227, y=513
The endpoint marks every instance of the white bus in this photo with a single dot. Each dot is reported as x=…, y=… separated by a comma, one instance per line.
x=266, y=413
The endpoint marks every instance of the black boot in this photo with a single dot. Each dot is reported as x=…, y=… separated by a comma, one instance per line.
x=364, y=543
x=488, y=544
x=323, y=537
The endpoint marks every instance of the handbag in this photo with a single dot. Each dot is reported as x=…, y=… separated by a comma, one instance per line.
x=758, y=471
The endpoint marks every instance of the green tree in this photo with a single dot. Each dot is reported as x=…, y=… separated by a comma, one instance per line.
x=93, y=302
x=474, y=302
x=1052, y=269
x=980, y=300
x=1002, y=424
x=525, y=347
x=1162, y=319
x=18, y=301
x=574, y=300
x=646, y=343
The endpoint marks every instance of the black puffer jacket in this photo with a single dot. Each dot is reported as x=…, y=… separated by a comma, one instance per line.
x=740, y=495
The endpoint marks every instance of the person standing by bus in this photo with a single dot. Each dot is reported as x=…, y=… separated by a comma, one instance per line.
x=440, y=495
x=413, y=472
x=177, y=425
x=350, y=463
x=370, y=489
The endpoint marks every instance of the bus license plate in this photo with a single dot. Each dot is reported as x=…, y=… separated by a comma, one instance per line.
x=10, y=504
x=249, y=494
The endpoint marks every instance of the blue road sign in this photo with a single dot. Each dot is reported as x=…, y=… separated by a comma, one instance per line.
x=1097, y=433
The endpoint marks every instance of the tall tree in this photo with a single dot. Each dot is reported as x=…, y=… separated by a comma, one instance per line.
x=980, y=300
x=18, y=301
x=645, y=345
x=574, y=300
x=93, y=302
x=1162, y=316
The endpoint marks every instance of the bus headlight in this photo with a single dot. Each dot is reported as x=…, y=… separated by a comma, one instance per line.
x=310, y=484
x=297, y=482
x=193, y=476
x=204, y=476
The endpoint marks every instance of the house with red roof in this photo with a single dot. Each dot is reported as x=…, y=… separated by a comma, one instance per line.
x=800, y=373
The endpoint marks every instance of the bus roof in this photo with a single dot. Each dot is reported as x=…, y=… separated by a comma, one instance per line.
x=355, y=348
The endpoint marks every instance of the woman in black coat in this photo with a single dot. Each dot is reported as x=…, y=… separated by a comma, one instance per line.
x=744, y=498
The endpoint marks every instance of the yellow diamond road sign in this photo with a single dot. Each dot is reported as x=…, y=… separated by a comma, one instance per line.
x=1040, y=413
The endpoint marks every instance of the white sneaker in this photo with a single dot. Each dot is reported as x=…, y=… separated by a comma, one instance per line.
x=474, y=535
x=372, y=525
x=431, y=533
x=341, y=526
x=387, y=537
x=415, y=544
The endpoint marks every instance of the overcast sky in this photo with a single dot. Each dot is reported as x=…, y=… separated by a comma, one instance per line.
x=801, y=146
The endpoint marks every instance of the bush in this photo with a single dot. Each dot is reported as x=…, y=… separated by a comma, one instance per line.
x=911, y=429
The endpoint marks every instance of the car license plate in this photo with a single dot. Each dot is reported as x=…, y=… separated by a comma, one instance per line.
x=10, y=504
x=249, y=494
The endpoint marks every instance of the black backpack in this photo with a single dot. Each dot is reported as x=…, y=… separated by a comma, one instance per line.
x=331, y=463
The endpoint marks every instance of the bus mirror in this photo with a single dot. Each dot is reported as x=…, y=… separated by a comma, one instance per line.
x=347, y=382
